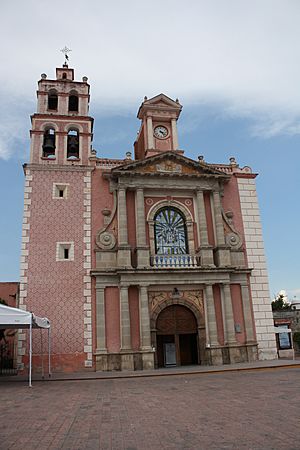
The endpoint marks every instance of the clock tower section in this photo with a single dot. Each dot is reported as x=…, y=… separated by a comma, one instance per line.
x=56, y=235
x=158, y=131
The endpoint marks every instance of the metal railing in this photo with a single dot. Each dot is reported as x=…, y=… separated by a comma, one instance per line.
x=7, y=362
x=174, y=261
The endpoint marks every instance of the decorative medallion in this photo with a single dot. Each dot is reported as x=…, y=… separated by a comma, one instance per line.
x=105, y=240
x=188, y=202
x=149, y=201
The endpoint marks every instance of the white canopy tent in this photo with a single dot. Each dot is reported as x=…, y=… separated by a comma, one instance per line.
x=17, y=318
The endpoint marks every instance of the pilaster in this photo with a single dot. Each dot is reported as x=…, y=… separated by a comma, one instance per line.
x=174, y=134
x=228, y=314
x=124, y=254
x=150, y=138
x=206, y=251
x=100, y=320
x=211, y=315
x=142, y=250
x=222, y=252
x=127, y=361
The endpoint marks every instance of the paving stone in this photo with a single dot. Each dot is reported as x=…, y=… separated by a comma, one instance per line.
x=227, y=410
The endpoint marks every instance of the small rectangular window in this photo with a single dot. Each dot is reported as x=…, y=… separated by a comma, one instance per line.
x=65, y=251
x=60, y=190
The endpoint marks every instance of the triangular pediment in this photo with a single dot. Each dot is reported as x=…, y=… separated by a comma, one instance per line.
x=162, y=100
x=159, y=102
x=168, y=163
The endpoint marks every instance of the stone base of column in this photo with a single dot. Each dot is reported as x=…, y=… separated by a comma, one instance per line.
x=127, y=361
x=222, y=257
x=215, y=357
x=124, y=257
x=148, y=360
x=231, y=354
x=252, y=352
x=143, y=257
x=207, y=257
x=101, y=362
x=237, y=258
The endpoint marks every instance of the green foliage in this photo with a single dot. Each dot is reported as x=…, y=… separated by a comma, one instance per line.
x=3, y=302
x=279, y=304
x=296, y=338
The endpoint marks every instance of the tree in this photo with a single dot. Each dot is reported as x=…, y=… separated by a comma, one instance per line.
x=280, y=302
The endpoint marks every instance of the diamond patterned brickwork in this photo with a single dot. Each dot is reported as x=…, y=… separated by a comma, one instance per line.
x=60, y=290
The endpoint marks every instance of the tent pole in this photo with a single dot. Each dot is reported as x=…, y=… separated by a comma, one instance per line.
x=42, y=353
x=30, y=351
x=49, y=351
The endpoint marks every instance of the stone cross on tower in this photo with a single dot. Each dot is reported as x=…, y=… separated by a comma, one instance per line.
x=65, y=51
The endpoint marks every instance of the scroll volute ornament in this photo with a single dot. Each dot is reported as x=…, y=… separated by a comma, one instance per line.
x=232, y=237
x=106, y=240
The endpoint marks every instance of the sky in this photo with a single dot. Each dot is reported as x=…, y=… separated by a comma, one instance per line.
x=234, y=65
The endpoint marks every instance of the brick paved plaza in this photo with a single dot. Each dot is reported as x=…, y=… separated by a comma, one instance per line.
x=237, y=410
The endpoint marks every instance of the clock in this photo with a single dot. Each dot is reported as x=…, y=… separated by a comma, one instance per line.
x=160, y=132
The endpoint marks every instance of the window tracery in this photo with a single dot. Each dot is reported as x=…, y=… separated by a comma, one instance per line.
x=170, y=232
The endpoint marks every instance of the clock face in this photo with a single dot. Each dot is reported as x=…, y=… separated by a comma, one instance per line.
x=160, y=132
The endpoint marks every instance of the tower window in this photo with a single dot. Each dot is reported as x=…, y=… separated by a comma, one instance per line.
x=65, y=251
x=52, y=100
x=170, y=232
x=73, y=144
x=60, y=191
x=49, y=143
x=64, y=75
x=73, y=102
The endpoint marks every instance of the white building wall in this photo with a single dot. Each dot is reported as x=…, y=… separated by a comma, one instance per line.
x=263, y=316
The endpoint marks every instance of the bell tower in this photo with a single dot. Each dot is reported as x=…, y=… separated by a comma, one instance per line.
x=56, y=235
x=61, y=129
x=158, y=131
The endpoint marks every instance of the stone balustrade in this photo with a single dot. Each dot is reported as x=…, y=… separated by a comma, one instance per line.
x=174, y=261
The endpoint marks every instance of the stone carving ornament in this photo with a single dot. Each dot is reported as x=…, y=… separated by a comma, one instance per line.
x=105, y=239
x=232, y=237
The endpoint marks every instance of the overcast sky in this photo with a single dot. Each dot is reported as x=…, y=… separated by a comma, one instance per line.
x=233, y=64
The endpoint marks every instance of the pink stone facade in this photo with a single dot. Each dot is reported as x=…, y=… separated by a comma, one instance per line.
x=93, y=261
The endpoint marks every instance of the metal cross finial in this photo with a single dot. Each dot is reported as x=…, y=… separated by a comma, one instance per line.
x=65, y=51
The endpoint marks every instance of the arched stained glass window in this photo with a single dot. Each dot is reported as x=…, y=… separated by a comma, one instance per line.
x=170, y=232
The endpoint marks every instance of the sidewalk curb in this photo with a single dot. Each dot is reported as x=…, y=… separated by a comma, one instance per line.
x=117, y=376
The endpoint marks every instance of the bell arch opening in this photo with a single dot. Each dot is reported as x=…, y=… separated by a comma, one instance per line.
x=177, y=337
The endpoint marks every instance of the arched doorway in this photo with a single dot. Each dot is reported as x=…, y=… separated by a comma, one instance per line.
x=176, y=337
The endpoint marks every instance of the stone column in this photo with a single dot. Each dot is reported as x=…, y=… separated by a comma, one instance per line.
x=122, y=217
x=144, y=319
x=145, y=333
x=220, y=238
x=100, y=319
x=205, y=249
x=142, y=249
x=222, y=252
x=125, y=319
x=215, y=353
x=228, y=313
x=174, y=134
x=211, y=315
x=101, y=351
x=247, y=313
x=150, y=133
x=124, y=255
x=127, y=362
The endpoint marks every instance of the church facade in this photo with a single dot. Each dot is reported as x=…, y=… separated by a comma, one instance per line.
x=148, y=261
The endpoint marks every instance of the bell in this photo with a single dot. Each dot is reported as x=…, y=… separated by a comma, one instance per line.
x=73, y=146
x=49, y=147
